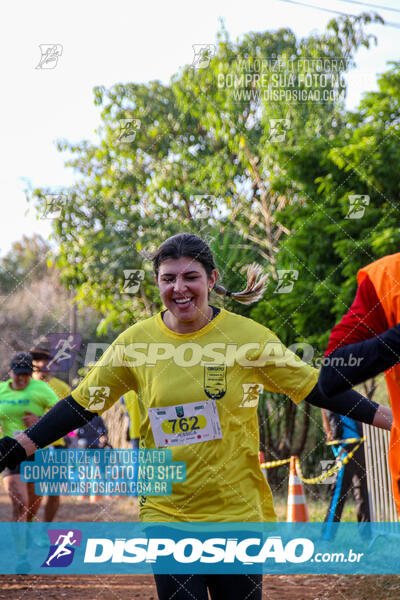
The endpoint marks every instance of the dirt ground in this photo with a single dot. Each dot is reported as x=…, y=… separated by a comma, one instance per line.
x=124, y=587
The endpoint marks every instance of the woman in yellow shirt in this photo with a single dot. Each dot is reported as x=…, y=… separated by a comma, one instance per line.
x=198, y=372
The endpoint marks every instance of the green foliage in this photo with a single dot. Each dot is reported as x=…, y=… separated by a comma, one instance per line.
x=326, y=246
x=35, y=303
x=204, y=159
x=26, y=260
x=189, y=138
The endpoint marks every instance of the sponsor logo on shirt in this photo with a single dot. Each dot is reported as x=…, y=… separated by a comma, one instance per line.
x=215, y=381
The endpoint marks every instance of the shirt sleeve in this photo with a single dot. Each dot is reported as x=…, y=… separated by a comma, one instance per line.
x=365, y=319
x=283, y=371
x=61, y=388
x=107, y=381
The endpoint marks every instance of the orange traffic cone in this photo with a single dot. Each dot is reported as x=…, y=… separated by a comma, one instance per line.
x=296, y=508
x=95, y=498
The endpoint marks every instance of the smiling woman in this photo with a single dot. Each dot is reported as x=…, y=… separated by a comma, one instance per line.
x=204, y=412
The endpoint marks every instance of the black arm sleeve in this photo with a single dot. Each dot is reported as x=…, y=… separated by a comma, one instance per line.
x=355, y=363
x=62, y=418
x=350, y=404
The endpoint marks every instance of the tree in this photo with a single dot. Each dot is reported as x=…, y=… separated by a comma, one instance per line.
x=347, y=211
x=197, y=155
x=24, y=262
x=35, y=303
x=163, y=146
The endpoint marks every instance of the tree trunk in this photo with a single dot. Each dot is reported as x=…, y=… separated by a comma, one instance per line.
x=304, y=430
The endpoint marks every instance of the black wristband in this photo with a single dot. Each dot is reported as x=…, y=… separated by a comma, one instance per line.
x=11, y=453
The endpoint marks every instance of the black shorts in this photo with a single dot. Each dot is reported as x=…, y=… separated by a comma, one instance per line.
x=188, y=587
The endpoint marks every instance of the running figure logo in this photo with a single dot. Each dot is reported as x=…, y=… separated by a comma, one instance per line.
x=286, y=280
x=63, y=543
x=127, y=130
x=97, y=397
x=63, y=348
x=133, y=279
x=278, y=129
x=325, y=466
x=50, y=53
x=203, y=53
x=52, y=206
x=357, y=205
x=251, y=394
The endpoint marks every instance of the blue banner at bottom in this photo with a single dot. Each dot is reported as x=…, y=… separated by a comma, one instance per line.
x=146, y=548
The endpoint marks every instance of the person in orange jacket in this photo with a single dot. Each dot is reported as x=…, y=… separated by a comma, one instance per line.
x=366, y=342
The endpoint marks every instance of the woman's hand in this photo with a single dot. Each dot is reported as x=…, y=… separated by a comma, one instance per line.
x=29, y=419
x=383, y=418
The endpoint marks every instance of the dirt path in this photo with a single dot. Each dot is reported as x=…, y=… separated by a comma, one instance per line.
x=125, y=587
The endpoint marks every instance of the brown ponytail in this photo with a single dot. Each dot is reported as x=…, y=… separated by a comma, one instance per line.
x=254, y=289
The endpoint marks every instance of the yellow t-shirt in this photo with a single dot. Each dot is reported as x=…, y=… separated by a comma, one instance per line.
x=132, y=406
x=224, y=481
x=62, y=390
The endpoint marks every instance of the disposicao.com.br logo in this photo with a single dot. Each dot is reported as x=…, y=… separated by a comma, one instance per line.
x=212, y=548
x=191, y=550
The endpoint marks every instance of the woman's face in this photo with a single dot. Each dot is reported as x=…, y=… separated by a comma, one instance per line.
x=40, y=371
x=19, y=380
x=184, y=287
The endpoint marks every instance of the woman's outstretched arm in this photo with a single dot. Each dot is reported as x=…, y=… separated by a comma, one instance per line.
x=354, y=405
x=65, y=416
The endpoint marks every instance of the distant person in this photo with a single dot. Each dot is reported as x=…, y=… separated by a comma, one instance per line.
x=22, y=401
x=41, y=371
x=366, y=342
x=352, y=477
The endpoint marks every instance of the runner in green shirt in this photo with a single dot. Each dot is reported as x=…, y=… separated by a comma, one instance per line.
x=22, y=401
x=40, y=358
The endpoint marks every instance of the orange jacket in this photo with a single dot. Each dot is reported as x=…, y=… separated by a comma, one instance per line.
x=384, y=274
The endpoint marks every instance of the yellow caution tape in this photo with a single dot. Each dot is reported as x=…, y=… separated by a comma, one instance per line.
x=346, y=441
x=340, y=462
x=274, y=463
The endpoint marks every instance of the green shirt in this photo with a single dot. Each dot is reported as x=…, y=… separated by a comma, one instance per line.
x=36, y=398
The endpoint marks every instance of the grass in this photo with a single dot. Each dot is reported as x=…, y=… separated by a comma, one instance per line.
x=317, y=508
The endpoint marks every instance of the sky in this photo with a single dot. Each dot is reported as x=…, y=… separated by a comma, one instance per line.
x=104, y=43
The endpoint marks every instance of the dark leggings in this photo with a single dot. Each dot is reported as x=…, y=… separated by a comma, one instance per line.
x=222, y=587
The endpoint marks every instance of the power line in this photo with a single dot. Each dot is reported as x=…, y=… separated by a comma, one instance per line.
x=336, y=12
x=372, y=5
